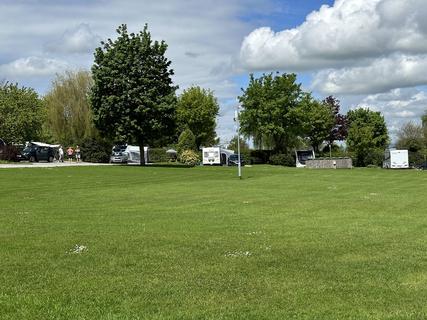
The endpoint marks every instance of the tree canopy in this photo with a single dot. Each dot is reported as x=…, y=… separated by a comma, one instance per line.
x=133, y=97
x=367, y=136
x=69, y=115
x=411, y=137
x=22, y=114
x=197, y=109
x=269, y=110
x=339, y=130
x=317, y=121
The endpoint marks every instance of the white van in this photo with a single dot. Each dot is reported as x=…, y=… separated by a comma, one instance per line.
x=396, y=159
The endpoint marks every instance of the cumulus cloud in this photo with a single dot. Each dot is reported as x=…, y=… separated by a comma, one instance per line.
x=80, y=39
x=383, y=74
x=32, y=66
x=398, y=106
x=355, y=46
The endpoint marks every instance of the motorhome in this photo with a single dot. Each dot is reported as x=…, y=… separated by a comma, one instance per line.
x=216, y=156
x=301, y=156
x=395, y=159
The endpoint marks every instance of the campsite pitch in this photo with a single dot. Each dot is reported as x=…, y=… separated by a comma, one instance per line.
x=198, y=243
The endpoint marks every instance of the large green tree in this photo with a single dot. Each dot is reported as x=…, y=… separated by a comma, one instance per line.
x=69, y=115
x=22, y=114
x=197, y=109
x=269, y=111
x=367, y=136
x=133, y=97
x=317, y=121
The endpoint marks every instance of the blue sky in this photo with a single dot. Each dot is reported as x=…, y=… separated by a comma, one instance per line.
x=370, y=53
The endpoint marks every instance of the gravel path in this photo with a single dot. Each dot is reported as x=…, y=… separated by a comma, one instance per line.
x=49, y=164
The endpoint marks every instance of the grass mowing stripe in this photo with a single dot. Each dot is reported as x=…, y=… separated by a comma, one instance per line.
x=169, y=243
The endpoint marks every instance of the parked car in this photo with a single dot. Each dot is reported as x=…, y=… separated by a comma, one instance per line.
x=233, y=160
x=38, y=152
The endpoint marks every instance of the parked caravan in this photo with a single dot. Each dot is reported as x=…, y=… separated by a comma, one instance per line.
x=127, y=154
x=216, y=156
x=301, y=156
x=396, y=159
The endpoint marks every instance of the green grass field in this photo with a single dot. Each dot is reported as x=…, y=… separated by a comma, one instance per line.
x=178, y=243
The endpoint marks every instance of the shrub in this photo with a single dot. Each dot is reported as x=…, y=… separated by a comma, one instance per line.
x=186, y=141
x=156, y=155
x=260, y=156
x=9, y=153
x=96, y=150
x=189, y=157
x=282, y=159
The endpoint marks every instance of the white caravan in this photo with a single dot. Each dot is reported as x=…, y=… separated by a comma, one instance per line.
x=396, y=159
x=216, y=155
x=301, y=156
x=134, y=155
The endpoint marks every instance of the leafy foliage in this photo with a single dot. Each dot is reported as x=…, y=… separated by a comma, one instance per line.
x=156, y=155
x=96, y=150
x=69, y=115
x=133, y=98
x=340, y=129
x=410, y=137
x=268, y=114
x=197, y=109
x=317, y=121
x=244, y=147
x=186, y=141
x=367, y=136
x=22, y=114
x=189, y=157
x=283, y=159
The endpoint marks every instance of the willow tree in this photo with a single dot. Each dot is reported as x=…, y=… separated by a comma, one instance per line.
x=69, y=115
x=133, y=97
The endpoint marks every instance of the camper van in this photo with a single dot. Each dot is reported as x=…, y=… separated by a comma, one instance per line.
x=301, y=156
x=396, y=159
x=216, y=156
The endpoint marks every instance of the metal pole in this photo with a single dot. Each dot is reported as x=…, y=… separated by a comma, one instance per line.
x=238, y=144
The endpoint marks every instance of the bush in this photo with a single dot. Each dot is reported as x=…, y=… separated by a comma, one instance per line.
x=260, y=156
x=282, y=160
x=9, y=153
x=186, y=141
x=156, y=155
x=190, y=158
x=96, y=150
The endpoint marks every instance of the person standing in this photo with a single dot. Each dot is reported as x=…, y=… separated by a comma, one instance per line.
x=70, y=152
x=61, y=154
x=78, y=154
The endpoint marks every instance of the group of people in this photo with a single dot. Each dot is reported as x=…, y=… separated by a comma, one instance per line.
x=70, y=153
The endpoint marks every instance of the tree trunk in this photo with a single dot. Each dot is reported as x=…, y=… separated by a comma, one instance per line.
x=141, y=152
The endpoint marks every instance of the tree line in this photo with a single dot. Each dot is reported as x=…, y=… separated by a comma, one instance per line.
x=129, y=96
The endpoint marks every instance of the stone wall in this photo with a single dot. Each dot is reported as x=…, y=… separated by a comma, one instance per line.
x=330, y=163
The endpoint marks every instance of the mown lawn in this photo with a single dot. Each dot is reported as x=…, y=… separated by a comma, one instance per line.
x=178, y=243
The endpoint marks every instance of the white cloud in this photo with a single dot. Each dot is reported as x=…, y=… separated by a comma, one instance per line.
x=398, y=106
x=79, y=39
x=355, y=46
x=381, y=75
x=32, y=66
